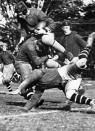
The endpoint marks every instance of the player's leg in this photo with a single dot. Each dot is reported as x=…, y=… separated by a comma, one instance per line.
x=34, y=101
x=28, y=83
x=7, y=75
x=25, y=70
x=73, y=95
x=75, y=85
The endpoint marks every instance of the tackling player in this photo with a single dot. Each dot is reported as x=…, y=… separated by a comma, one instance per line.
x=55, y=78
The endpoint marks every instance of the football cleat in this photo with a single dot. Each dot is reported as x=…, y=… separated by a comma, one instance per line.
x=91, y=109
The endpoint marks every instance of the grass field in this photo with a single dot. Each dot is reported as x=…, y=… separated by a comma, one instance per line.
x=49, y=117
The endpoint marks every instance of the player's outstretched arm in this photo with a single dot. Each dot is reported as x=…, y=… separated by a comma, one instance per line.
x=90, y=39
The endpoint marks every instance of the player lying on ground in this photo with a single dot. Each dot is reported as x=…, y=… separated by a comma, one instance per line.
x=55, y=78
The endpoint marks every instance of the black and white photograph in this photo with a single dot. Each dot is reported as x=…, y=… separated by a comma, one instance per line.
x=47, y=65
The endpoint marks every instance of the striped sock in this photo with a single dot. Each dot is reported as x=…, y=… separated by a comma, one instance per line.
x=80, y=99
x=29, y=95
x=9, y=88
x=84, y=53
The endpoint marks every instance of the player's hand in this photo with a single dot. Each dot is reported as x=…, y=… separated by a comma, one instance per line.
x=74, y=60
x=40, y=31
x=48, y=30
x=55, y=57
x=66, y=62
x=14, y=92
x=90, y=39
x=49, y=57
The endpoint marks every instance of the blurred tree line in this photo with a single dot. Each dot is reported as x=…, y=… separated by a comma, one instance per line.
x=81, y=16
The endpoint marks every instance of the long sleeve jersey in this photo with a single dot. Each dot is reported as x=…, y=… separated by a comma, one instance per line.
x=33, y=18
x=6, y=58
x=28, y=53
x=74, y=43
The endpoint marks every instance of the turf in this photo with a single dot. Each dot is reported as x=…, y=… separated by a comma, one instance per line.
x=51, y=116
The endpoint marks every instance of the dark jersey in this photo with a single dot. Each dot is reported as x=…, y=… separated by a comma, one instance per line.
x=6, y=58
x=50, y=78
x=28, y=53
x=33, y=18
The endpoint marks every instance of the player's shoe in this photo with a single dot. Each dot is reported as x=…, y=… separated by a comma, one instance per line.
x=14, y=92
x=9, y=88
x=39, y=103
x=30, y=105
x=92, y=107
x=67, y=105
